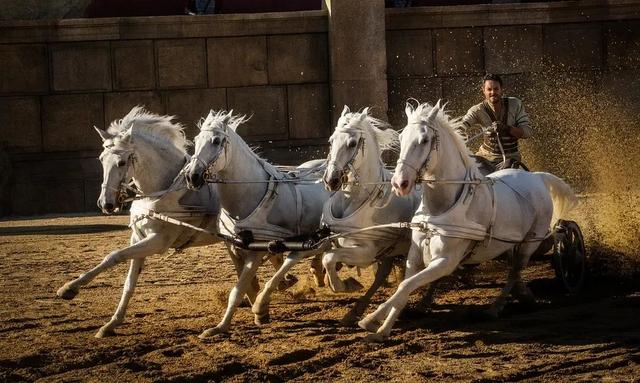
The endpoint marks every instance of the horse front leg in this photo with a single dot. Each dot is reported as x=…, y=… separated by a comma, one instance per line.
x=251, y=263
x=152, y=244
x=316, y=270
x=359, y=254
x=127, y=292
x=447, y=254
x=358, y=309
x=261, y=306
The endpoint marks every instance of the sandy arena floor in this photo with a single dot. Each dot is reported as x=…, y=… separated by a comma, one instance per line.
x=591, y=337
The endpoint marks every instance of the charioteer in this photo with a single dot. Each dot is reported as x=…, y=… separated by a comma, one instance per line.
x=504, y=121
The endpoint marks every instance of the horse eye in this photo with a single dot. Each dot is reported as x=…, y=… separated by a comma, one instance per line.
x=216, y=140
x=351, y=144
x=422, y=140
x=121, y=163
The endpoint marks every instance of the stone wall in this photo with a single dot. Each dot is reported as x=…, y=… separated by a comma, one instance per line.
x=58, y=79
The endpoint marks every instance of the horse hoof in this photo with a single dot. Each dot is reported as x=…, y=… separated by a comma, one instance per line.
x=352, y=285
x=260, y=320
x=105, y=332
x=349, y=320
x=375, y=338
x=368, y=325
x=211, y=332
x=67, y=292
x=288, y=281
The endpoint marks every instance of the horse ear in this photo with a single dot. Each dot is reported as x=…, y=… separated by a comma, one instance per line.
x=433, y=112
x=126, y=136
x=364, y=114
x=345, y=110
x=408, y=109
x=103, y=133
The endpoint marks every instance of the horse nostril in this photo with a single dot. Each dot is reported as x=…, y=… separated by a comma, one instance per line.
x=195, y=177
x=404, y=184
x=108, y=207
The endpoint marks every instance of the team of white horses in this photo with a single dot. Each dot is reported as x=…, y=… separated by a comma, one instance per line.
x=225, y=192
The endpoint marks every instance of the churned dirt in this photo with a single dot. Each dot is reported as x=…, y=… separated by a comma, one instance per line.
x=594, y=336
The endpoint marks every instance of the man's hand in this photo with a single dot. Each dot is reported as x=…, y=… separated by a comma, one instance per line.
x=502, y=129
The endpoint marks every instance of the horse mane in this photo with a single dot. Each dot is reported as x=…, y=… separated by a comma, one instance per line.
x=157, y=126
x=385, y=136
x=223, y=119
x=452, y=127
x=218, y=120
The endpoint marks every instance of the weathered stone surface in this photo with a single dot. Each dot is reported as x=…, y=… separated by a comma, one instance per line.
x=298, y=58
x=358, y=55
x=513, y=49
x=573, y=46
x=20, y=124
x=27, y=198
x=181, y=63
x=91, y=194
x=309, y=113
x=190, y=105
x=268, y=106
x=68, y=122
x=400, y=90
x=237, y=61
x=409, y=53
x=23, y=69
x=295, y=155
x=459, y=51
x=623, y=44
x=359, y=94
x=461, y=93
x=117, y=105
x=81, y=66
x=134, y=65
x=37, y=9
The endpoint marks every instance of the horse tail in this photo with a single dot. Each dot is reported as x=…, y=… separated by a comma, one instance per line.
x=563, y=197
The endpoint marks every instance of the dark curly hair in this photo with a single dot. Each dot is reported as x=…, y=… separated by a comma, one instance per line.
x=492, y=77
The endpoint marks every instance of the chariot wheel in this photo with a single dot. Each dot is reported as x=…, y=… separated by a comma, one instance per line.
x=569, y=256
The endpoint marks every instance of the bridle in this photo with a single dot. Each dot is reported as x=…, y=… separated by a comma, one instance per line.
x=348, y=166
x=208, y=175
x=125, y=186
x=434, y=147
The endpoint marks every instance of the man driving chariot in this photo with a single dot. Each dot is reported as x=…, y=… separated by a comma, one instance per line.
x=504, y=122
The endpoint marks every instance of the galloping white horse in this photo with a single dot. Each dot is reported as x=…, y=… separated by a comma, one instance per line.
x=258, y=201
x=356, y=147
x=466, y=217
x=151, y=149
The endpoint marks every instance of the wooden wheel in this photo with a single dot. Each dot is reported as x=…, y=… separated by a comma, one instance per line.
x=569, y=256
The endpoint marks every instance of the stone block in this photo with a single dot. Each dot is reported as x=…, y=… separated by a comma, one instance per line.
x=237, y=61
x=358, y=94
x=268, y=107
x=91, y=194
x=400, y=90
x=409, y=53
x=65, y=196
x=513, y=49
x=298, y=58
x=68, y=122
x=181, y=63
x=461, y=93
x=189, y=106
x=623, y=44
x=24, y=69
x=81, y=66
x=117, y=105
x=573, y=46
x=20, y=128
x=133, y=65
x=459, y=51
x=309, y=114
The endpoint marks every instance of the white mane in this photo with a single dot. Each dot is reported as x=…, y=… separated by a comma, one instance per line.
x=450, y=126
x=159, y=127
x=386, y=137
x=219, y=119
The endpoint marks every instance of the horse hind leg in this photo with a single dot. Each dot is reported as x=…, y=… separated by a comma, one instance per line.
x=356, y=311
x=514, y=280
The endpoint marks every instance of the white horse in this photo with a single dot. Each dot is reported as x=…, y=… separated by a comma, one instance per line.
x=151, y=149
x=465, y=217
x=365, y=200
x=260, y=203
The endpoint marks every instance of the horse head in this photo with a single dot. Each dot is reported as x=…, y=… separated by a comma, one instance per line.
x=418, y=144
x=117, y=159
x=211, y=144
